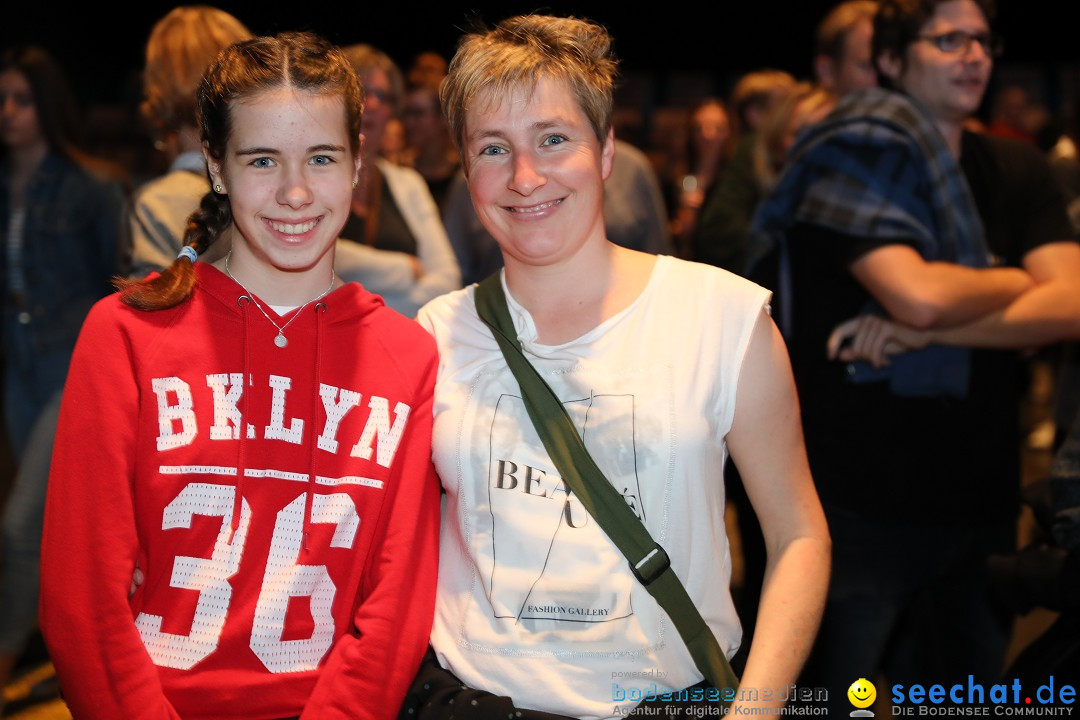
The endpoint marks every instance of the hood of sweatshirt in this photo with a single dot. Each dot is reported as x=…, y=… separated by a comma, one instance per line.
x=345, y=305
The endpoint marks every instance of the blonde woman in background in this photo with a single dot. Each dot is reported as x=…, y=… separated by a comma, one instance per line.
x=180, y=47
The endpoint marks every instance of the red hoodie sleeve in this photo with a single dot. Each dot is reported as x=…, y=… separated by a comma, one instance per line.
x=367, y=675
x=90, y=543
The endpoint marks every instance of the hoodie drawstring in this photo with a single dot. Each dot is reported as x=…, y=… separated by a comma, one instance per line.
x=244, y=302
x=320, y=312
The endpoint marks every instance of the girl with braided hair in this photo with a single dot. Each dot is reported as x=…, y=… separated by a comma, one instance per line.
x=253, y=435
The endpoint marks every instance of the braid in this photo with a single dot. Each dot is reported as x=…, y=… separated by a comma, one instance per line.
x=208, y=222
x=176, y=282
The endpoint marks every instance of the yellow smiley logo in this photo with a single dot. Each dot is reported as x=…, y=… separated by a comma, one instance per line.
x=862, y=693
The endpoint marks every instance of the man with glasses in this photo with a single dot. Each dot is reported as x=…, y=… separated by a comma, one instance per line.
x=955, y=251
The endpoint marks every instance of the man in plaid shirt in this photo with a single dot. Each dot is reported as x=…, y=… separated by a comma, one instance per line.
x=911, y=259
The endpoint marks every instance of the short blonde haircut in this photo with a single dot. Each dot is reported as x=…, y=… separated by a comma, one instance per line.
x=522, y=49
x=181, y=46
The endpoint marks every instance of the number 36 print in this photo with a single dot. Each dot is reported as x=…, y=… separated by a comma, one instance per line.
x=283, y=579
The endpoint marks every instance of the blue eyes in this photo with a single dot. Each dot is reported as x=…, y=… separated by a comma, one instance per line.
x=267, y=162
x=548, y=141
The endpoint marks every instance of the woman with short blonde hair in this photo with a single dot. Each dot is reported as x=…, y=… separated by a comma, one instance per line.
x=665, y=368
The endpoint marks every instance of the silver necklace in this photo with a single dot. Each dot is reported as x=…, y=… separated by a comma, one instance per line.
x=281, y=341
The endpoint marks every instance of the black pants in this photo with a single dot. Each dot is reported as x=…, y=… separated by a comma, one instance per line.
x=438, y=694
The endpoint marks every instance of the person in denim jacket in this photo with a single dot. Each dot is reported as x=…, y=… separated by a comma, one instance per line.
x=60, y=226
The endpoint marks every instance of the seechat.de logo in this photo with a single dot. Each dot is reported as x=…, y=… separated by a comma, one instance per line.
x=971, y=698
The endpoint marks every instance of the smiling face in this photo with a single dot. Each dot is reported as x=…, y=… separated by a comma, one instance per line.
x=862, y=693
x=949, y=85
x=536, y=172
x=288, y=172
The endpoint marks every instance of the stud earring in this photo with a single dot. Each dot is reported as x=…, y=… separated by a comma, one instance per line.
x=218, y=189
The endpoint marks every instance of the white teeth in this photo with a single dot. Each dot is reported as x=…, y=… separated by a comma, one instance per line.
x=288, y=229
x=535, y=208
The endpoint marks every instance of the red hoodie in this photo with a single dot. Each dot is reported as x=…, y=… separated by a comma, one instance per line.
x=270, y=591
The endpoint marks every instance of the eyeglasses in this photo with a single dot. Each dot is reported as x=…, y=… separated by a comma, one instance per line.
x=959, y=42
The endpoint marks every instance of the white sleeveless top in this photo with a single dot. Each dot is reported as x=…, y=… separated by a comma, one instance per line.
x=534, y=601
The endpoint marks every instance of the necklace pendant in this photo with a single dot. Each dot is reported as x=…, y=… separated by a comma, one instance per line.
x=280, y=340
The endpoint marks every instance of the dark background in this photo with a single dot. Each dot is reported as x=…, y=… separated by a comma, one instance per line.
x=101, y=46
